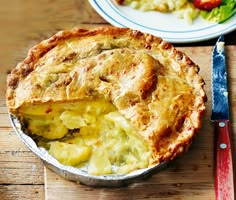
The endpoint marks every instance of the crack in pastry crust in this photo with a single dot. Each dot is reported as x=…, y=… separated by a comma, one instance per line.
x=153, y=85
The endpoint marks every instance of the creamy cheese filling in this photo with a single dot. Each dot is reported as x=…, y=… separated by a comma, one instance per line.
x=87, y=134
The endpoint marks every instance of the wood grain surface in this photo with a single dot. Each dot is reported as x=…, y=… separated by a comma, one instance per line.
x=22, y=174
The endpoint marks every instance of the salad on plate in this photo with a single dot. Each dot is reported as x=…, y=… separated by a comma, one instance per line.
x=217, y=11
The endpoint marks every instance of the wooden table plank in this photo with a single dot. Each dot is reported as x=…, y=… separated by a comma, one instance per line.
x=18, y=165
x=187, y=191
x=19, y=192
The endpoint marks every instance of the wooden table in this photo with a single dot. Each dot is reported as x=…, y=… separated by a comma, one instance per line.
x=22, y=174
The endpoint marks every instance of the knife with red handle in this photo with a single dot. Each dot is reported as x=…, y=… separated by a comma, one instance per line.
x=224, y=181
x=224, y=175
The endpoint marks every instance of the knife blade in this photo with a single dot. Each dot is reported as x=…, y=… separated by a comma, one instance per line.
x=224, y=177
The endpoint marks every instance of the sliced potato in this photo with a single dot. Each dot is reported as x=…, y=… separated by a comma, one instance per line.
x=69, y=154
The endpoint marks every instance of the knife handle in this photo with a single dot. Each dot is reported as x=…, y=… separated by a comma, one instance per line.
x=224, y=176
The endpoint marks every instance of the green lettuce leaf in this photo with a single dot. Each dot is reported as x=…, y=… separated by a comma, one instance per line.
x=221, y=13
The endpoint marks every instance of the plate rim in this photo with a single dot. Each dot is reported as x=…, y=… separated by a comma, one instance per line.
x=98, y=7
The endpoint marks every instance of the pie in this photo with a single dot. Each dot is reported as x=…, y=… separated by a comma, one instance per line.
x=109, y=100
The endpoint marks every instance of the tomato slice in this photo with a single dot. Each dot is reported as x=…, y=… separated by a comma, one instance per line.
x=206, y=4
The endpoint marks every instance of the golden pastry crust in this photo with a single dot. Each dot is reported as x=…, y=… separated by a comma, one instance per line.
x=155, y=86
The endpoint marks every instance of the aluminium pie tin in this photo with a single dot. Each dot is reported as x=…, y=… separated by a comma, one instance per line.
x=80, y=175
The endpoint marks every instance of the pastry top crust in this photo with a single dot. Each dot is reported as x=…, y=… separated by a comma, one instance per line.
x=155, y=86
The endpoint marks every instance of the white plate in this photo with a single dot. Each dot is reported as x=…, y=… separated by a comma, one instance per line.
x=167, y=26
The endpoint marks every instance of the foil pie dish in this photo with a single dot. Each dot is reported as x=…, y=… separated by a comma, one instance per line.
x=107, y=106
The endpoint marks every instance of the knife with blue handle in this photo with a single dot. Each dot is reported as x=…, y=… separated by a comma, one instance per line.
x=224, y=177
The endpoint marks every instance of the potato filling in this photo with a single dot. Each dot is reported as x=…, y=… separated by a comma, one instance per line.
x=91, y=135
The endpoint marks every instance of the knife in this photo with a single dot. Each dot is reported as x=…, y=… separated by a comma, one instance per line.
x=224, y=177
